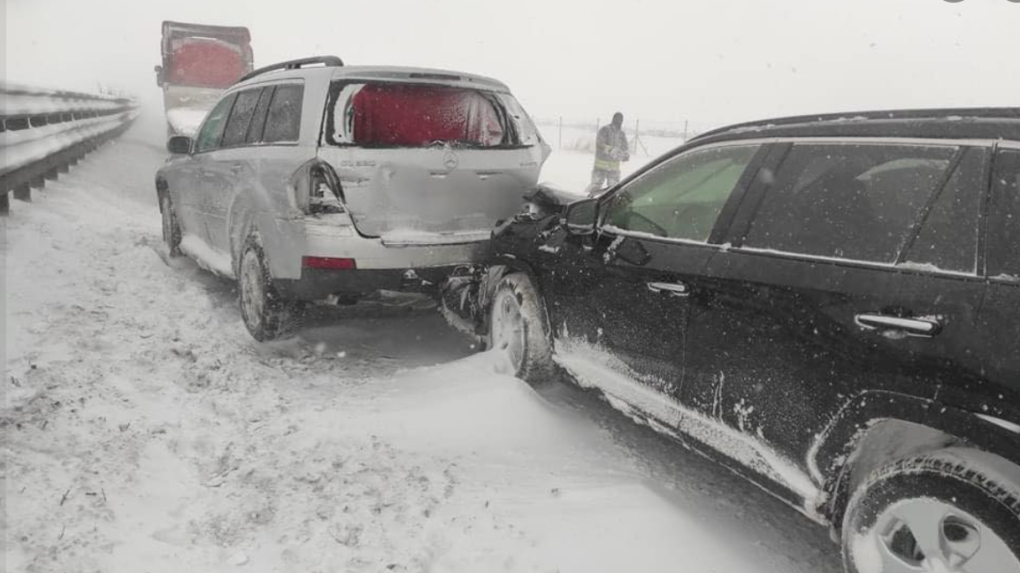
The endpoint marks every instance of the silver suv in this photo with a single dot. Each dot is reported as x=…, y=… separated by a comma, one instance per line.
x=310, y=180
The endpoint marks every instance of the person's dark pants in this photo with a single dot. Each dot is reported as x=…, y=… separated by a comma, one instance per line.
x=602, y=179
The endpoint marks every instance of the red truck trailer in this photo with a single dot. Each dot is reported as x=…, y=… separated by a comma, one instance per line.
x=199, y=62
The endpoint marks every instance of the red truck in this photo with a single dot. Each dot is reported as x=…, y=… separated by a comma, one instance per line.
x=199, y=62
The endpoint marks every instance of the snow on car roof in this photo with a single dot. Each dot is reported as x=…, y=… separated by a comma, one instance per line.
x=419, y=75
x=387, y=73
x=960, y=123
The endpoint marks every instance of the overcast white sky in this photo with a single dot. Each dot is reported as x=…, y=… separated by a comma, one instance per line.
x=709, y=61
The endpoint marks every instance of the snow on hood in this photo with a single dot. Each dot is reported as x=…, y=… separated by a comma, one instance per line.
x=186, y=121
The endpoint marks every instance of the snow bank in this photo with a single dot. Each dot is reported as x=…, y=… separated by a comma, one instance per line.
x=19, y=99
x=206, y=256
x=28, y=145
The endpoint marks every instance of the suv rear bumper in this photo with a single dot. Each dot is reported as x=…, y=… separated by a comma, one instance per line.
x=377, y=266
x=319, y=284
x=372, y=253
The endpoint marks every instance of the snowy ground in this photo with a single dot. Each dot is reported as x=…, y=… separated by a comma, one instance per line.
x=569, y=166
x=143, y=430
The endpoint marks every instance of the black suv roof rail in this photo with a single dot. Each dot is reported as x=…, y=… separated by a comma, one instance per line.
x=327, y=61
x=903, y=115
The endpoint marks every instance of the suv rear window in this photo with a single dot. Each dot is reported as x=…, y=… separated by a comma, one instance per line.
x=240, y=117
x=948, y=239
x=420, y=115
x=283, y=122
x=850, y=201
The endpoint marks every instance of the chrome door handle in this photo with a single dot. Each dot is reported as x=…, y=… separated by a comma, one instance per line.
x=926, y=327
x=673, y=289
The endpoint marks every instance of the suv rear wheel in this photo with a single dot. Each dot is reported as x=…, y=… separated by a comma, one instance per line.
x=266, y=315
x=171, y=228
x=938, y=513
x=518, y=332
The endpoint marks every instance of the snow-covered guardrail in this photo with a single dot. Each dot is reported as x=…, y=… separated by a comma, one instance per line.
x=43, y=132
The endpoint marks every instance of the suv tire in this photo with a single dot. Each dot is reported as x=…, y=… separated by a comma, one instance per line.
x=265, y=314
x=518, y=330
x=171, y=228
x=941, y=509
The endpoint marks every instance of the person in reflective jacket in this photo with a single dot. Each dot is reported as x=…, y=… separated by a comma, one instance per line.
x=610, y=149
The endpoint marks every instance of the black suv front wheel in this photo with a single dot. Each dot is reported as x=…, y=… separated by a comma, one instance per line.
x=518, y=331
x=944, y=512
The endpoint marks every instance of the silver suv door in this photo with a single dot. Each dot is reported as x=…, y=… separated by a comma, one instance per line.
x=227, y=170
x=193, y=204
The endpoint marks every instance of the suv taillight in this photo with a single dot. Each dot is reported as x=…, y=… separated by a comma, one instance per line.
x=315, y=189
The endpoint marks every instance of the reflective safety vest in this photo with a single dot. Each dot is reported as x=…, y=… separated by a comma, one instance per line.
x=609, y=139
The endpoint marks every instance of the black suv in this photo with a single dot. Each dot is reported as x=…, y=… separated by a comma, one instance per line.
x=830, y=305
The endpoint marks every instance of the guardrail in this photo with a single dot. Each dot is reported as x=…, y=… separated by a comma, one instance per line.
x=44, y=132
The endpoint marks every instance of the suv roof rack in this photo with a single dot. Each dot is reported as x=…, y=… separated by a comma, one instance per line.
x=327, y=61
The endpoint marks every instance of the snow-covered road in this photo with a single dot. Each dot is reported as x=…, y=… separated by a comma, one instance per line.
x=144, y=430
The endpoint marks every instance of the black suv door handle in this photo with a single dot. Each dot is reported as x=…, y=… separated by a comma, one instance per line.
x=927, y=327
x=672, y=289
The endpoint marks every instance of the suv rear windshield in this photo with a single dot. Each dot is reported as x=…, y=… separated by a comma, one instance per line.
x=422, y=115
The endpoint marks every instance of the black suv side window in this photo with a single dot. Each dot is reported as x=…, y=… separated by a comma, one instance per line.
x=848, y=201
x=240, y=117
x=1004, y=231
x=948, y=238
x=682, y=198
x=212, y=128
x=283, y=122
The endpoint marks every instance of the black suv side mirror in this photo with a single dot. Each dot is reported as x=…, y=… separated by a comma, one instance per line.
x=179, y=144
x=580, y=217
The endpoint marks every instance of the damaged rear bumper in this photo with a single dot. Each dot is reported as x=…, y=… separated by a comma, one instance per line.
x=321, y=284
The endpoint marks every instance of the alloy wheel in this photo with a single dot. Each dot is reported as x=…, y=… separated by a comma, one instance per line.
x=926, y=535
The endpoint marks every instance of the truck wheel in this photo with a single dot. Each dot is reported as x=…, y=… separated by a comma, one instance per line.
x=938, y=513
x=518, y=331
x=265, y=314
x=171, y=228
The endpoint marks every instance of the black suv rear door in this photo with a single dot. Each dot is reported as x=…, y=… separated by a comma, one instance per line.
x=817, y=305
